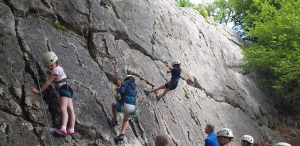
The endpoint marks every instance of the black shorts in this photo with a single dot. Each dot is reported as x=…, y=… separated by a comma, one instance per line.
x=66, y=90
x=171, y=85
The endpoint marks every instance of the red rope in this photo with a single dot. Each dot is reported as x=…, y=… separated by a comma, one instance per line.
x=102, y=44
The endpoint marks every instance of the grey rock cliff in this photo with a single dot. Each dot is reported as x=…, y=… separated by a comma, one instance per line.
x=105, y=39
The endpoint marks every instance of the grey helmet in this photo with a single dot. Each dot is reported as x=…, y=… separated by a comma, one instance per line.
x=226, y=132
x=49, y=58
x=247, y=138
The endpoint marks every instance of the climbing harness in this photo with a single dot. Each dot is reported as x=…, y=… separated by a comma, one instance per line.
x=127, y=99
x=62, y=90
x=62, y=80
x=36, y=72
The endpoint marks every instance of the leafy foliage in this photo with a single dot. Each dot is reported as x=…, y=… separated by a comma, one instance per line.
x=58, y=26
x=221, y=10
x=185, y=3
x=129, y=72
x=186, y=94
x=232, y=12
x=275, y=50
x=199, y=8
x=272, y=28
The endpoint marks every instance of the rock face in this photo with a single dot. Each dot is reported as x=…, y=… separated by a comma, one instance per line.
x=104, y=40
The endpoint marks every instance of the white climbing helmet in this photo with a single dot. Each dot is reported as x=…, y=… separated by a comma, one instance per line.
x=49, y=58
x=282, y=144
x=226, y=132
x=176, y=62
x=247, y=138
x=129, y=76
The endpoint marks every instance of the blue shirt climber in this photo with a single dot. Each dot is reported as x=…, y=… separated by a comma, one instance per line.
x=127, y=88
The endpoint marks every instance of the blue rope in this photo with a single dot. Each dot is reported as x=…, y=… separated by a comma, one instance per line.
x=37, y=77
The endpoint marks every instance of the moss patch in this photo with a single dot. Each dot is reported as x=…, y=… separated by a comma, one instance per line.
x=186, y=94
x=129, y=72
x=58, y=26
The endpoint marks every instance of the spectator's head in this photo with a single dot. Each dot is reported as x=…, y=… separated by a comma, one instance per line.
x=225, y=136
x=161, y=140
x=269, y=143
x=209, y=128
x=282, y=144
x=247, y=140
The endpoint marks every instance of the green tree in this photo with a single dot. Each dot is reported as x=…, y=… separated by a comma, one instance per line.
x=275, y=51
x=199, y=8
x=185, y=3
x=272, y=29
x=221, y=10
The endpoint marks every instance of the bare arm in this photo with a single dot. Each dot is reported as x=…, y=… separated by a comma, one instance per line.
x=169, y=67
x=47, y=83
x=119, y=83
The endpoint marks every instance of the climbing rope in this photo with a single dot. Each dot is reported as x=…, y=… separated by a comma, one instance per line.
x=37, y=76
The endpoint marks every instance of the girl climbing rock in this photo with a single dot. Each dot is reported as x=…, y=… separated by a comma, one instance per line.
x=59, y=78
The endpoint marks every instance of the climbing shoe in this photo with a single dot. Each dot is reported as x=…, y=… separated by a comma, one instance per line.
x=157, y=97
x=146, y=91
x=120, y=137
x=72, y=134
x=61, y=132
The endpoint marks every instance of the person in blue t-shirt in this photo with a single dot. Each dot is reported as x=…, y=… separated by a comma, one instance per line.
x=175, y=71
x=126, y=104
x=211, y=139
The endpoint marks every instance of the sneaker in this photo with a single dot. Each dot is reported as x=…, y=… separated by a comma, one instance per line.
x=120, y=137
x=157, y=97
x=146, y=91
x=72, y=134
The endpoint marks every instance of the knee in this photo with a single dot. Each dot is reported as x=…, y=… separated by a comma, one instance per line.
x=63, y=110
x=70, y=110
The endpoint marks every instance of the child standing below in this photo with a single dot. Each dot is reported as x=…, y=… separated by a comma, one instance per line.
x=126, y=104
x=59, y=78
x=161, y=140
x=175, y=71
x=247, y=140
x=225, y=137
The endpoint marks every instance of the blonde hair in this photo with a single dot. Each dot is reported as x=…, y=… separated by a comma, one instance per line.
x=161, y=140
